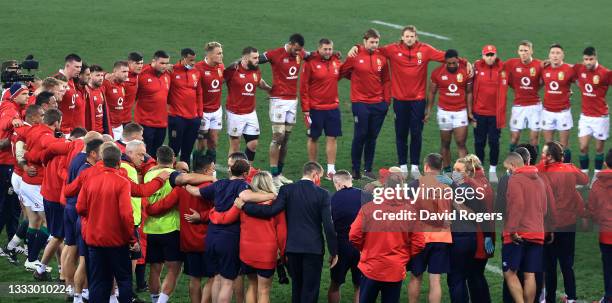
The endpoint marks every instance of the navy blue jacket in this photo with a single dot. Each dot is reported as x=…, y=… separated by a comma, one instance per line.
x=308, y=213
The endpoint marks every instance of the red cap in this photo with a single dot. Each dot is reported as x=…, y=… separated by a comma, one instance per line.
x=487, y=49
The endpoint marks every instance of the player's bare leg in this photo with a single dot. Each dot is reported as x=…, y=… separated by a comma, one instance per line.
x=212, y=139
x=514, y=286
x=548, y=135
x=460, y=134
x=333, y=292
x=251, y=292
x=445, y=141
x=331, y=147
x=224, y=293
x=234, y=144
x=80, y=276
x=263, y=289
x=435, y=290
x=172, y=276
x=564, y=140
x=154, y=278
x=534, y=138
x=69, y=264
x=207, y=291
x=529, y=287
x=414, y=288
x=515, y=138
x=195, y=290
x=312, y=149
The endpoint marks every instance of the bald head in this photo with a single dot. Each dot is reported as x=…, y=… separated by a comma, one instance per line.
x=182, y=166
x=91, y=135
x=513, y=161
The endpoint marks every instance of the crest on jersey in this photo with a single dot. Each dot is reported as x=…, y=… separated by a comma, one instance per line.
x=459, y=77
x=286, y=60
x=596, y=79
x=419, y=55
x=532, y=71
x=360, y=60
x=207, y=73
x=561, y=76
x=518, y=69
x=444, y=77
x=178, y=76
x=583, y=75
x=547, y=75
x=114, y=90
x=241, y=76
x=255, y=77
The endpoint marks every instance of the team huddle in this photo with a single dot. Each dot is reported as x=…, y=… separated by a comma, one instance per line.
x=82, y=157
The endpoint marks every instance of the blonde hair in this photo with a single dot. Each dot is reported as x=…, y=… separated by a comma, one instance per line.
x=526, y=43
x=469, y=165
x=475, y=161
x=210, y=46
x=48, y=84
x=262, y=182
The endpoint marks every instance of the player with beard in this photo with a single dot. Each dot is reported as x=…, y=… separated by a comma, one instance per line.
x=115, y=94
x=96, y=108
x=242, y=80
x=285, y=62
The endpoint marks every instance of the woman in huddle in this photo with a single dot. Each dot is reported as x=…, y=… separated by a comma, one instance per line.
x=261, y=241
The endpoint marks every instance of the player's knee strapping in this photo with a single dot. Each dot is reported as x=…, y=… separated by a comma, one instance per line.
x=278, y=135
x=249, y=153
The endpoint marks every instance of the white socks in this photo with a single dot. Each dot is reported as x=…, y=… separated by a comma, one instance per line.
x=404, y=168
x=492, y=169
x=413, y=167
x=13, y=243
x=85, y=294
x=331, y=168
x=163, y=298
x=113, y=299
x=154, y=298
x=41, y=269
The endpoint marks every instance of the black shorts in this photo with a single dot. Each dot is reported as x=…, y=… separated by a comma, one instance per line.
x=434, y=258
x=249, y=270
x=222, y=256
x=54, y=213
x=525, y=256
x=325, y=121
x=70, y=225
x=164, y=247
x=348, y=258
x=195, y=265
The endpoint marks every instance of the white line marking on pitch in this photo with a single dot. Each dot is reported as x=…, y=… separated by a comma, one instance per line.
x=420, y=32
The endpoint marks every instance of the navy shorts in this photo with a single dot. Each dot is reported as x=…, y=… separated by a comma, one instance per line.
x=135, y=255
x=348, y=258
x=195, y=265
x=434, y=258
x=81, y=246
x=249, y=270
x=222, y=256
x=54, y=213
x=526, y=257
x=327, y=121
x=164, y=247
x=70, y=225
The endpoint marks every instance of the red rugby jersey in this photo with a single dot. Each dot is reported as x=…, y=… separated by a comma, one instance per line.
x=72, y=106
x=593, y=85
x=241, y=88
x=557, y=87
x=409, y=68
x=285, y=72
x=212, y=83
x=319, y=83
x=369, y=75
x=452, y=88
x=131, y=87
x=185, y=95
x=152, y=98
x=95, y=109
x=524, y=80
x=115, y=100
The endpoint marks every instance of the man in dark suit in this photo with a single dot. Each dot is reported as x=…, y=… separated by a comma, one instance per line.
x=308, y=212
